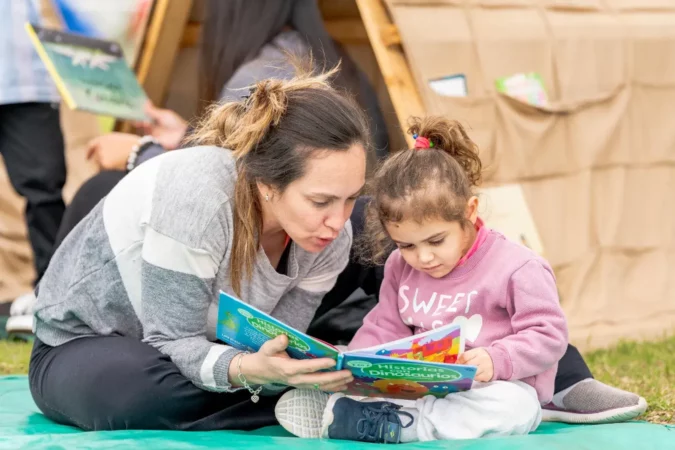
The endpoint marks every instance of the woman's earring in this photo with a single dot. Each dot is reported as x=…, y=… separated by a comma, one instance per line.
x=267, y=197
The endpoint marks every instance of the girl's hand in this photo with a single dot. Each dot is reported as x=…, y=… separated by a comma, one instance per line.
x=481, y=358
x=167, y=126
x=111, y=151
x=271, y=364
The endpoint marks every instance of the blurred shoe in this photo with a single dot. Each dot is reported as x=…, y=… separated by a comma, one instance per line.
x=23, y=305
x=19, y=324
x=314, y=414
x=20, y=319
x=592, y=402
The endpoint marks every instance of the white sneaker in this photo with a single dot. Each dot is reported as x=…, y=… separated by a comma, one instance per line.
x=23, y=305
x=20, y=324
x=301, y=412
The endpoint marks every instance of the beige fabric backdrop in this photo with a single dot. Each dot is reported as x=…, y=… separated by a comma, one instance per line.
x=597, y=166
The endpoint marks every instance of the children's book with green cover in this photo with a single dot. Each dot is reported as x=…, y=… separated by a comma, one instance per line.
x=91, y=74
x=408, y=368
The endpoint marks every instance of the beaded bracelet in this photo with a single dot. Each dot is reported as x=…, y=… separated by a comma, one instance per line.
x=137, y=149
x=242, y=379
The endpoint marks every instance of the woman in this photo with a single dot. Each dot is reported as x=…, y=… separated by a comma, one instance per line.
x=126, y=312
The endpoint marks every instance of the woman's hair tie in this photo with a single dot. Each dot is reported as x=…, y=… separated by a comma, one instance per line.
x=247, y=98
x=422, y=143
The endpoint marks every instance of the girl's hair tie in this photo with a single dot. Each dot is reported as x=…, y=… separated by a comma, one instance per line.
x=422, y=143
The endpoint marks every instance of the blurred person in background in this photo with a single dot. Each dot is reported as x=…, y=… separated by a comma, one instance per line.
x=31, y=142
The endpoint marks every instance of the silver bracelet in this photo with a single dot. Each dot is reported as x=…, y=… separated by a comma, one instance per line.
x=136, y=149
x=242, y=379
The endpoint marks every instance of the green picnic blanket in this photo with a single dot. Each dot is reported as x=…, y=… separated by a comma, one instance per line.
x=22, y=426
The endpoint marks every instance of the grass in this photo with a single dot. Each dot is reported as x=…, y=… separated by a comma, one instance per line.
x=645, y=368
x=14, y=357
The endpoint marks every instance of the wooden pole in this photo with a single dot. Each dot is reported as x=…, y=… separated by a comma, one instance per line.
x=162, y=42
x=392, y=61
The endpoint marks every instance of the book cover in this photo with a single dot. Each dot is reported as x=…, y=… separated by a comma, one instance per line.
x=91, y=74
x=407, y=368
x=527, y=87
x=123, y=21
x=247, y=328
x=450, y=86
x=381, y=376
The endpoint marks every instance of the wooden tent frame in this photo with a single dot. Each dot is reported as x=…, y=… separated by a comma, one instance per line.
x=386, y=43
x=163, y=37
x=164, y=33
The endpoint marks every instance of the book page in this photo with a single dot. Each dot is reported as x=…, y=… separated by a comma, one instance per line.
x=443, y=344
x=450, y=86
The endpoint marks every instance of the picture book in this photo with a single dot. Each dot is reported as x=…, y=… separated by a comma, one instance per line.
x=90, y=74
x=450, y=86
x=124, y=21
x=527, y=87
x=408, y=368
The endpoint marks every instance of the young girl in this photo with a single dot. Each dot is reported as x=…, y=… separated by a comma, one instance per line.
x=448, y=268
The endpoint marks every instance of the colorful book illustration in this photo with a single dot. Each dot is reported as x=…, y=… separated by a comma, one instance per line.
x=124, y=21
x=408, y=368
x=527, y=87
x=91, y=74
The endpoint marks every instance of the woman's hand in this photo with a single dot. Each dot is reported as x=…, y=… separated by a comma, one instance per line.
x=271, y=364
x=167, y=126
x=481, y=358
x=111, y=151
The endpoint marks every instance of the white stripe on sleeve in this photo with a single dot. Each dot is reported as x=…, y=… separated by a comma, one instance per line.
x=167, y=253
x=206, y=372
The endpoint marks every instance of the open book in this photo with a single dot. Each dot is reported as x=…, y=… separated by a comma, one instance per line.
x=407, y=368
x=90, y=74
